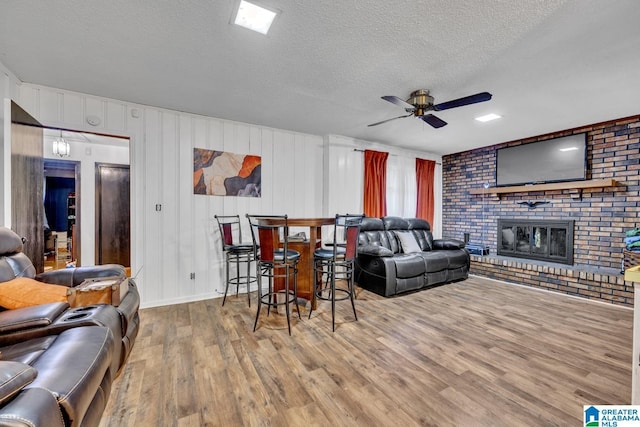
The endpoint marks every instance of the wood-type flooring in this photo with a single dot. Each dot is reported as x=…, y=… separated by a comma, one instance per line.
x=471, y=353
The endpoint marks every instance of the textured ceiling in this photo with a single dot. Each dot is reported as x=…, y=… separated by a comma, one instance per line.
x=550, y=65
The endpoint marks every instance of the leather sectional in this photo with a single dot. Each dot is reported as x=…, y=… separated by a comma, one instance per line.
x=57, y=363
x=397, y=255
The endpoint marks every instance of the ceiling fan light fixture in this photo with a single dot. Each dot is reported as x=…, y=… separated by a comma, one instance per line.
x=254, y=17
x=421, y=99
x=488, y=117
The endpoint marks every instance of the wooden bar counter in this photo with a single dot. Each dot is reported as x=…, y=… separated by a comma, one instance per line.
x=306, y=249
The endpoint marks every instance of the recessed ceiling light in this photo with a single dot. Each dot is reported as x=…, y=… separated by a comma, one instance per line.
x=254, y=17
x=488, y=117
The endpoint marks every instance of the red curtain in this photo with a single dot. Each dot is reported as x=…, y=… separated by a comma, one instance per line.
x=425, y=170
x=375, y=183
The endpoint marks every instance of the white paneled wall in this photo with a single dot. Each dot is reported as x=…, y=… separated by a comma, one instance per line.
x=173, y=231
x=344, y=178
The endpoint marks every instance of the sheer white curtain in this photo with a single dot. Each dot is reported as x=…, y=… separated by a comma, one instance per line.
x=401, y=186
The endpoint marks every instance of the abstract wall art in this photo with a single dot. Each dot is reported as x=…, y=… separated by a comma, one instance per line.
x=219, y=173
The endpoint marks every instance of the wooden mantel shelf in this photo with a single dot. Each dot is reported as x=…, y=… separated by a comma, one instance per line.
x=570, y=185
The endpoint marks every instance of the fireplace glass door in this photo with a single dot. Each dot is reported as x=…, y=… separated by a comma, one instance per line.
x=558, y=242
x=540, y=239
x=536, y=239
x=523, y=240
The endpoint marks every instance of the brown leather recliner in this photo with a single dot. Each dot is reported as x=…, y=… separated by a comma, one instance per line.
x=14, y=263
x=57, y=363
x=57, y=380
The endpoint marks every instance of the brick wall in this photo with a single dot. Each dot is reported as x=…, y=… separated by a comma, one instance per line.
x=601, y=217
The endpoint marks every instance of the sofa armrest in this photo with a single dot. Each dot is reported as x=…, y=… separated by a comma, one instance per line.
x=13, y=377
x=32, y=407
x=74, y=276
x=36, y=316
x=374, y=250
x=447, y=244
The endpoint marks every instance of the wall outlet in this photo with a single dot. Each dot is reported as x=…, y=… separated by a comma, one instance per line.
x=193, y=276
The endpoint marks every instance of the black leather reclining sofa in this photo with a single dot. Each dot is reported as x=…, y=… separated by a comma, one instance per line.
x=57, y=363
x=397, y=255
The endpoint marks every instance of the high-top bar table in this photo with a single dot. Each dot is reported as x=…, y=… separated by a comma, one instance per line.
x=306, y=249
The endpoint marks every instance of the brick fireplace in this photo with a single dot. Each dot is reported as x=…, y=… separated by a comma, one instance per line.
x=600, y=215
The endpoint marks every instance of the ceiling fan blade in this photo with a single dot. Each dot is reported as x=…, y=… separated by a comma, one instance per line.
x=398, y=101
x=433, y=120
x=471, y=99
x=388, y=120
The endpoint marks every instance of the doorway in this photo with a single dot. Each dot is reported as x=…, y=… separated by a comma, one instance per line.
x=61, y=213
x=79, y=220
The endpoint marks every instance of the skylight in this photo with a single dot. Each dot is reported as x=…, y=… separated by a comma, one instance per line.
x=488, y=117
x=254, y=17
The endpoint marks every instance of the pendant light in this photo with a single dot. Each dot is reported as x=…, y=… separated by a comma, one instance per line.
x=61, y=147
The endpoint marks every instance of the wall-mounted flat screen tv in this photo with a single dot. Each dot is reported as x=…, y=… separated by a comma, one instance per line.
x=552, y=160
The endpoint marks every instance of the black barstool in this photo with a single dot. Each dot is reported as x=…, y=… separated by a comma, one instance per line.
x=336, y=265
x=274, y=263
x=235, y=253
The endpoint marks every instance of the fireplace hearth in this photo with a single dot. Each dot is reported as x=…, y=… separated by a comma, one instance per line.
x=547, y=240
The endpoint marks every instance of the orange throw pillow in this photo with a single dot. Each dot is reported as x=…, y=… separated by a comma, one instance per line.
x=24, y=292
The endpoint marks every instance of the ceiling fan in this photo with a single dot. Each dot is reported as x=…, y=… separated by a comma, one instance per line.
x=420, y=102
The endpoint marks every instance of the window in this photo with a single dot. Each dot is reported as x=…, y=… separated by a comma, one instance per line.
x=401, y=186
